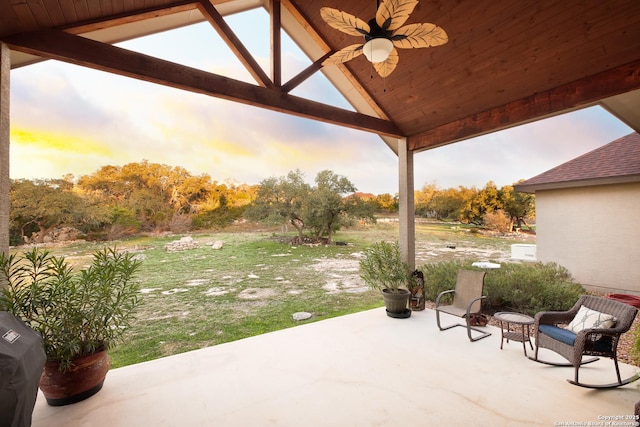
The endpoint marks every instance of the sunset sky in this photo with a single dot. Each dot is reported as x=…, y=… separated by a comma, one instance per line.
x=68, y=119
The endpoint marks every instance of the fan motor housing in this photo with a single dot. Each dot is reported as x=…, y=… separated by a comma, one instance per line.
x=376, y=32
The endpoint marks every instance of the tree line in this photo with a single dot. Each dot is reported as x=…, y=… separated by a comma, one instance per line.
x=500, y=208
x=116, y=201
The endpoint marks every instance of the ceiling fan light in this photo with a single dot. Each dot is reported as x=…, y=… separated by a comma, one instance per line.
x=378, y=49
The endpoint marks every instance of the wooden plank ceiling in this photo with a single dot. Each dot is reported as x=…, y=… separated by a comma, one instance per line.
x=507, y=62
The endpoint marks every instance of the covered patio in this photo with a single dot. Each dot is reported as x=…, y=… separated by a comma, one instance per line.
x=506, y=63
x=364, y=369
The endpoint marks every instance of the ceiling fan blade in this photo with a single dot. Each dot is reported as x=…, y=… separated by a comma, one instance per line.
x=344, y=22
x=419, y=35
x=344, y=55
x=392, y=14
x=386, y=67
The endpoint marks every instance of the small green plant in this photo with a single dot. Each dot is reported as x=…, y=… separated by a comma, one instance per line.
x=75, y=313
x=383, y=268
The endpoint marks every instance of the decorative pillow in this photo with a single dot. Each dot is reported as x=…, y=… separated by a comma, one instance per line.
x=587, y=319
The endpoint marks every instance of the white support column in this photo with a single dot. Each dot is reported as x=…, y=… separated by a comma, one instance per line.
x=5, y=184
x=406, y=212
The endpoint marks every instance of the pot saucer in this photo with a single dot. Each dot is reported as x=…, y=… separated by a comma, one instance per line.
x=403, y=315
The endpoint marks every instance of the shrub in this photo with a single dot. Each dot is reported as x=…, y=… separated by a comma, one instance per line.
x=526, y=288
x=180, y=223
x=217, y=218
x=497, y=221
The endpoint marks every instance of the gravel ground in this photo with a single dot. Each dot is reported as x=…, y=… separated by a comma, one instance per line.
x=626, y=345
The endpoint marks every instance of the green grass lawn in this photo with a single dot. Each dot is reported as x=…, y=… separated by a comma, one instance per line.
x=204, y=296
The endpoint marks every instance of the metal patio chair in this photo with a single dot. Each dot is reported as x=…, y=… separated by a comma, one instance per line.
x=467, y=300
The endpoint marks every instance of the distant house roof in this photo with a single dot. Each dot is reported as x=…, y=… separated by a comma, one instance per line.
x=616, y=162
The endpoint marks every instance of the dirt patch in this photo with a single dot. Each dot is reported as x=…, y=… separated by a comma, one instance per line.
x=174, y=291
x=431, y=252
x=196, y=282
x=217, y=291
x=336, y=287
x=342, y=274
x=257, y=293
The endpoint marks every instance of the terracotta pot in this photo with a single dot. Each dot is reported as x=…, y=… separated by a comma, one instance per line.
x=82, y=380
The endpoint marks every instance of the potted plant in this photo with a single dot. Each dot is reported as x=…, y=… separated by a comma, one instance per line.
x=79, y=315
x=382, y=268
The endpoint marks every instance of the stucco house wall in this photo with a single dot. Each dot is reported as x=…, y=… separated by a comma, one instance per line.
x=587, y=216
x=594, y=232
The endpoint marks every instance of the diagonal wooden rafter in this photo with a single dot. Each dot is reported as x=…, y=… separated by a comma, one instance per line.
x=217, y=21
x=305, y=74
x=58, y=45
x=578, y=94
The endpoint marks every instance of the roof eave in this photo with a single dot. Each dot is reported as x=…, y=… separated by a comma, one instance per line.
x=532, y=188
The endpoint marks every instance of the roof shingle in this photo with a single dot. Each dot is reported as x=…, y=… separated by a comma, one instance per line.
x=618, y=161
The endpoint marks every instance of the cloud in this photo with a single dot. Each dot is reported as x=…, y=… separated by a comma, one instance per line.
x=47, y=97
x=518, y=153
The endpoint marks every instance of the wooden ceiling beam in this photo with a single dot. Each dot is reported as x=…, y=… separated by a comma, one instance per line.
x=127, y=18
x=276, y=45
x=578, y=94
x=217, y=21
x=58, y=45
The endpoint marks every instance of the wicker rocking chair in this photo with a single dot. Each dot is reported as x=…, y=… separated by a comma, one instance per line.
x=596, y=339
x=467, y=300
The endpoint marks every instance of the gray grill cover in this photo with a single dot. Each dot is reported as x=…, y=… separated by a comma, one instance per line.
x=22, y=359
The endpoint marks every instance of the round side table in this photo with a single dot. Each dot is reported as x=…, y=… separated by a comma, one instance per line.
x=506, y=319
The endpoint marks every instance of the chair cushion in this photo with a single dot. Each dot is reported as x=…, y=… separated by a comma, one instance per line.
x=587, y=319
x=558, y=334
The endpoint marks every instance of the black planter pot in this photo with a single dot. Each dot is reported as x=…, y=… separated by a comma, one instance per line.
x=397, y=302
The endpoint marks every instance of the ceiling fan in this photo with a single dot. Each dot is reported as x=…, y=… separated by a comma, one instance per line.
x=382, y=34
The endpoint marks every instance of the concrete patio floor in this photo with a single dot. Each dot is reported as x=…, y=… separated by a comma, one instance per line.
x=364, y=369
